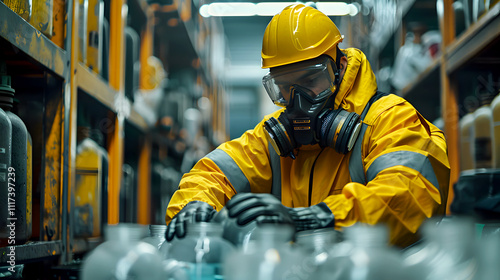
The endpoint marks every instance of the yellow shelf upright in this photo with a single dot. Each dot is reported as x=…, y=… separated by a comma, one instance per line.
x=449, y=100
x=70, y=115
x=144, y=168
x=144, y=184
x=118, y=17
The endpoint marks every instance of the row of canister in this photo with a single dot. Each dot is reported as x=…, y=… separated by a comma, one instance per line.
x=449, y=249
x=91, y=177
x=480, y=135
x=15, y=169
x=91, y=168
x=93, y=45
x=49, y=16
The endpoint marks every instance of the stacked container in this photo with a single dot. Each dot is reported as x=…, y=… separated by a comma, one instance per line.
x=269, y=255
x=41, y=16
x=91, y=184
x=495, y=109
x=20, y=7
x=156, y=235
x=5, y=151
x=447, y=251
x=123, y=256
x=466, y=136
x=202, y=251
x=483, y=124
x=95, y=35
x=364, y=255
x=14, y=169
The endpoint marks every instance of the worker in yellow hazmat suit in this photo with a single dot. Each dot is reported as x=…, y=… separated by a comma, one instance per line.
x=337, y=153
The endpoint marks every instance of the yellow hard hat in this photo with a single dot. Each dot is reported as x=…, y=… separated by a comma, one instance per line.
x=299, y=33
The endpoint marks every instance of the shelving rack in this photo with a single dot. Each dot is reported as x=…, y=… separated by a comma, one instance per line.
x=447, y=81
x=52, y=85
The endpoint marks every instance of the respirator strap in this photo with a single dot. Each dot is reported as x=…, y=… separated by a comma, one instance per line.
x=356, y=167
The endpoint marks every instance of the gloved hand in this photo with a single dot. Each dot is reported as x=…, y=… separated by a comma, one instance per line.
x=312, y=217
x=260, y=207
x=194, y=211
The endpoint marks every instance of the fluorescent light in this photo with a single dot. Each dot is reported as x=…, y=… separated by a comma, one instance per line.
x=333, y=8
x=227, y=9
x=270, y=8
x=231, y=9
x=354, y=9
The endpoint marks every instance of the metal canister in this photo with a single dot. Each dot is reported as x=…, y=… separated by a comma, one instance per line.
x=41, y=16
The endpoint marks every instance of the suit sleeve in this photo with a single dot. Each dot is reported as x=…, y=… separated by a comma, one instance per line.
x=240, y=165
x=407, y=173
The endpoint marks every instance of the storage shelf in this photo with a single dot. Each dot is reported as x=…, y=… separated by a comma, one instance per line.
x=474, y=40
x=425, y=92
x=140, y=6
x=25, y=37
x=428, y=77
x=95, y=86
x=137, y=120
x=32, y=251
x=182, y=41
x=98, y=88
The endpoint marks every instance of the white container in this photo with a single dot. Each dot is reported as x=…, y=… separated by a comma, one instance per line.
x=483, y=136
x=202, y=251
x=156, y=235
x=466, y=124
x=447, y=251
x=316, y=244
x=268, y=256
x=123, y=256
x=495, y=110
x=364, y=255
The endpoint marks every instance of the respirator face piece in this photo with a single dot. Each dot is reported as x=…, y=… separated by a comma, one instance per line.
x=308, y=93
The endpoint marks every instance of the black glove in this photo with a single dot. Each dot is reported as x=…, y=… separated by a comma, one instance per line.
x=312, y=217
x=260, y=207
x=194, y=211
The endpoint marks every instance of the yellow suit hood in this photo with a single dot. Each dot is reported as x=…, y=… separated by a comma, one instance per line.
x=358, y=77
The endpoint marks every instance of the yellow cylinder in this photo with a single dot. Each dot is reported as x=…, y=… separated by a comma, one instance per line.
x=41, y=16
x=90, y=171
x=20, y=7
x=95, y=34
x=58, y=22
x=83, y=7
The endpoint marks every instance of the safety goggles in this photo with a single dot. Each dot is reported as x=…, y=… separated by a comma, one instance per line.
x=316, y=75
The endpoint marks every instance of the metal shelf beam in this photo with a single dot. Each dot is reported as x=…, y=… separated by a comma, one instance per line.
x=32, y=251
x=474, y=40
x=32, y=42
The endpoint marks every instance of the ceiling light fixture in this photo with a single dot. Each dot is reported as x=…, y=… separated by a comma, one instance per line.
x=232, y=9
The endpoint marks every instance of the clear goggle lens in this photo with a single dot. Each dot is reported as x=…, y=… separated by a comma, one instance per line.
x=316, y=75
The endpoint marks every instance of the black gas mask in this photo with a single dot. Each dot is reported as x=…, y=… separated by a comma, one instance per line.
x=307, y=90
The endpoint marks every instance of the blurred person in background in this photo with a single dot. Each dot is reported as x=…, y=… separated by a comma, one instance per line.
x=338, y=152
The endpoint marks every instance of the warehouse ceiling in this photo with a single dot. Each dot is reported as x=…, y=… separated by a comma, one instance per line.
x=244, y=40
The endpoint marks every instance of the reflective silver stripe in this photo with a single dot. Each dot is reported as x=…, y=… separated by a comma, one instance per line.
x=232, y=171
x=409, y=159
x=356, y=167
x=275, y=161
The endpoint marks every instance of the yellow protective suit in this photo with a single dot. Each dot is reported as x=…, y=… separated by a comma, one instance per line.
x=400, y=191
